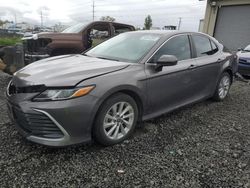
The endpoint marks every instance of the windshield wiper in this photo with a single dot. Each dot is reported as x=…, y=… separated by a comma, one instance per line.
x=86, y=55
x=107, y=58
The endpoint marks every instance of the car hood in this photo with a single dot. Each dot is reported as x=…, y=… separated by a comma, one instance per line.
x=244, y=55
x=54, y=36
x=61, y=36
x=63, y=71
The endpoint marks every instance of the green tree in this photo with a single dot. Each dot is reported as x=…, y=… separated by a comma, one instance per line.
x=107, y=18
x=3, y=22
x=148, y=22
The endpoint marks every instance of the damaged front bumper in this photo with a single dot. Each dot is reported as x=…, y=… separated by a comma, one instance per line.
x=30, y=58
x=58, y=123
x=37, y=55
x=36, y=49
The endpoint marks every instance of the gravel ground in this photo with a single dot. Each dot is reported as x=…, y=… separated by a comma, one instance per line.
x=203, y=145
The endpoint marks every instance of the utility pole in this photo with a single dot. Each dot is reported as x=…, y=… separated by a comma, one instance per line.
x=179, y=24
x=93, y=11
x=15, y=20
x=41, y=18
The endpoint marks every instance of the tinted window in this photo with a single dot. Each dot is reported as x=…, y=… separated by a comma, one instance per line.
x=177, y=46
x=204, y=46
x=118, y=29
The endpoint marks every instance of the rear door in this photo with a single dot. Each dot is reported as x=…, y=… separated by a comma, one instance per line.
x=207, y=65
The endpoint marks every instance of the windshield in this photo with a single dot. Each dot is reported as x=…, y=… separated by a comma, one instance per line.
x=74, y=29
x=247, y=48
x=128, y=47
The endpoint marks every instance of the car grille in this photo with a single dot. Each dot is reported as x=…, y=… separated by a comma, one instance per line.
x=12, y=89
x=37, y=124
x=38, y=45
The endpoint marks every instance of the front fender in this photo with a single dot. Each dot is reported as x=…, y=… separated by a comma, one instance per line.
x=128, y=89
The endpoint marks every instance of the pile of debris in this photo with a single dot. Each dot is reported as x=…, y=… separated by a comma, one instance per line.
x=11, y=58
x=2, y=64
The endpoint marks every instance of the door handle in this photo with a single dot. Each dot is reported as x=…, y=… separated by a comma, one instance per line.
x=191, y=66
x=220, y=60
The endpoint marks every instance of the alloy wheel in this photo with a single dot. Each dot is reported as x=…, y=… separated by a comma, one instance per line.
x=118, y=120
x=224, y=86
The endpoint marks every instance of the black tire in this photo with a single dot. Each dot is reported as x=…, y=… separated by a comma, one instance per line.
x=98, y=129
x=217, y=96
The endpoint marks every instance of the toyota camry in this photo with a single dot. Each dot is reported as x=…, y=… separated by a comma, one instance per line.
x=101, y=94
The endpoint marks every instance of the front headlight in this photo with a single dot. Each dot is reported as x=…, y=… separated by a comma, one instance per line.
x=62, y=94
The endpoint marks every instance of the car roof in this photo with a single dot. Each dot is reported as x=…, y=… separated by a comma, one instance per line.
x=111, y=22
x=166, y=32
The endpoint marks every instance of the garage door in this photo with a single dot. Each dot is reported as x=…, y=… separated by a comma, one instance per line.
x=233, y=26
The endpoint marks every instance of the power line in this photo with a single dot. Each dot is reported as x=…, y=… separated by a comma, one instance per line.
x=135, y=3
x=106, y=4
x=153, y=14
x=128, y=4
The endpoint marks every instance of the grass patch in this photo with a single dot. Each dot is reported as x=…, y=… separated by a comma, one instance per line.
x=9, y=41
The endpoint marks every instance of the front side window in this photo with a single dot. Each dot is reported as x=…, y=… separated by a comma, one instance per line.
x=178, y=46
x=98, y=34
x=204, y=46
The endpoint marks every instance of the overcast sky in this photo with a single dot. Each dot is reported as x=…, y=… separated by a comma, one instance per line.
x=163, y=12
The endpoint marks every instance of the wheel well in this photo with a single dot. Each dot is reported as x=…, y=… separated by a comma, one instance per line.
x=132, y=94
x=137, y=99
x=230, y=72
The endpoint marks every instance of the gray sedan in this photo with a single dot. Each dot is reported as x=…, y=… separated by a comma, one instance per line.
x=103, y=93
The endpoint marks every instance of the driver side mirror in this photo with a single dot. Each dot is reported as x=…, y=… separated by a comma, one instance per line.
x=166, y=60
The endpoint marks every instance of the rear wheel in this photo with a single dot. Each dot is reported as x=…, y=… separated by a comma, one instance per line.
x=116, y=120
x=223, y=87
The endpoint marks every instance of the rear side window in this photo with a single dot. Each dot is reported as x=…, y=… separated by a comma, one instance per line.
x=214, y=47
x=118, y=29
x=203, y=45
x=178, y=46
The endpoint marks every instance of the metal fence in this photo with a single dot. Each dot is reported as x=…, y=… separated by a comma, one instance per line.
x=6, y=33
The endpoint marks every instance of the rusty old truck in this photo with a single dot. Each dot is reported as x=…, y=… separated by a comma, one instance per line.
x=75, y=39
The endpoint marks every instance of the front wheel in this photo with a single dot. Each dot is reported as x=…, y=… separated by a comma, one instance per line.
x=115, y=120
x=223, y=87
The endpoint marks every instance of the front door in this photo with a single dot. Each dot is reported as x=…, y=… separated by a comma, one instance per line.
x=173, y=85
